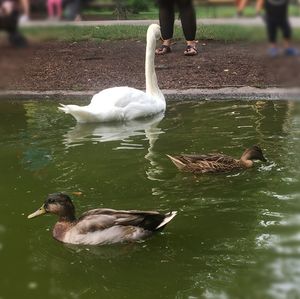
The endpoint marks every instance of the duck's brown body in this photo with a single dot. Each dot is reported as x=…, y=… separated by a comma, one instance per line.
x=101, y=226
x=213, y=163
x=206, y=163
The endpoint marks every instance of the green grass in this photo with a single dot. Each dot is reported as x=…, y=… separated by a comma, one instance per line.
x=230, y=11
x=77, y=33
x=201, y=12
x=70, y=33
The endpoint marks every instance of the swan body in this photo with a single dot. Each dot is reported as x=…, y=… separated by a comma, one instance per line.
x=100, y=226
x=125, y=103
x=214, y=163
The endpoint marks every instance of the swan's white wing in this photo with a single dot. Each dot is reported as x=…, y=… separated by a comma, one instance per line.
x=124, y=103
x=115, y=97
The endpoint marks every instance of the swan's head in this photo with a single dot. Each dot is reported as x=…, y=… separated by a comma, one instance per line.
x=154, y=30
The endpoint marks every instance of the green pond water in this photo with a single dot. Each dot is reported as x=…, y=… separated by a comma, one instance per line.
x=235, y=236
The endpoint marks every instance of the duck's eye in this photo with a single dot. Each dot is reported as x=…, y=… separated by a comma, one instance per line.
x=51, y=201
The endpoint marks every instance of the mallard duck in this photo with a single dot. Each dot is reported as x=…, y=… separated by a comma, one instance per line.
x=100, y=226
x=217, y=162
x=125, y=103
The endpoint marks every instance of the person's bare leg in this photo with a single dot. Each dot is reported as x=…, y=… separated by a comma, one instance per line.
x=241, y=7
x=167, y=42
x=25, y=7
x=286, y=43
x=259, y=6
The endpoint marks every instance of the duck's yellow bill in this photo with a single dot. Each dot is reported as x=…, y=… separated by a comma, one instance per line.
x=39, y=212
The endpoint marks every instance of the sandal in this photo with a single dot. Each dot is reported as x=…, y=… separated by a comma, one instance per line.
x=190, y=51
x=162, y=50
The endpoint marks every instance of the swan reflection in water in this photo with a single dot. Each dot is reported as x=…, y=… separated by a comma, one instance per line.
x=105, y=132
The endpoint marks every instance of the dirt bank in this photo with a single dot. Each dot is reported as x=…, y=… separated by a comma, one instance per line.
x=94, y=66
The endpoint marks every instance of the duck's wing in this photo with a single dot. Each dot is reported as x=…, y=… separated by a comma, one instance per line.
x=100, y=219
x=204, y=163
x=220, y=158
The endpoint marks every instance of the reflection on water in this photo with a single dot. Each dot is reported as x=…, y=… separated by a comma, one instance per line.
x=105, y=132
x=121, y=132
x=235, y=236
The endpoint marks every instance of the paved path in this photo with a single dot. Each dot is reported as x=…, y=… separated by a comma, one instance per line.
x=295, y=21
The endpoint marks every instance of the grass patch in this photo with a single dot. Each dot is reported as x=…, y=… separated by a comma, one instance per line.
x=226, y=33
x=76, y=33
x=201, y=12
x=231, y=33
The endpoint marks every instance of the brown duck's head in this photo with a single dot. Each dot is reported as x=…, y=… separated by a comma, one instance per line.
x=253, y=153
x=59, y=204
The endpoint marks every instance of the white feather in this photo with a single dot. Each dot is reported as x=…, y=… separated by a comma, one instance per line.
x=125, y=103
x=111, y=235
x=168, y=219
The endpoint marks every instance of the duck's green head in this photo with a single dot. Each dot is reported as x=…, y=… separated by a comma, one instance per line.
x=59, y=204
x=254, y=153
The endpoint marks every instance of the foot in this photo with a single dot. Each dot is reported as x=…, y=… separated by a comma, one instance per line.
x=239, y=14
x=23, y=19
x=17, y=40
x=78, y=18
x=162, y=50
x=273, y=52
x=291, y=52
x=190, y=50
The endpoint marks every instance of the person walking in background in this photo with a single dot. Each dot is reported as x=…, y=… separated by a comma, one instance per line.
x=241, y=4
x=25, y=12
x=72, y=10
x=9, y=15
x=54, y=9
x=188, y=21
x=277, y=17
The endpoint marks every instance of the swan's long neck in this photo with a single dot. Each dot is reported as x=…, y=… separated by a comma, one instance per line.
x=151, y=79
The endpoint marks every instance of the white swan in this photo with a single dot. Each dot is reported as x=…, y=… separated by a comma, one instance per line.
x=125, y=103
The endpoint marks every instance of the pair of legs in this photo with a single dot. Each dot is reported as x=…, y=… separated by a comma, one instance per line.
x=72, y=10
x=188, y=21
x=241, y=4
x=273, y=24
x=277, y=18
x=54, y=8
x=9, y=22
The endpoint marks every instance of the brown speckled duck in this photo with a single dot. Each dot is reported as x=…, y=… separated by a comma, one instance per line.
x=213, y=163
x=100, y=226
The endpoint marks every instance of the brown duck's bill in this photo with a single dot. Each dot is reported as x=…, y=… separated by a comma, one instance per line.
x=39, y=212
